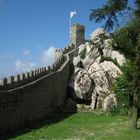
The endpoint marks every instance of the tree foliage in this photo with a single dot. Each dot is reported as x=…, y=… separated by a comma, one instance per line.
x=136, y=68
x=109, y=12
x=123, y=89
x=127, y=40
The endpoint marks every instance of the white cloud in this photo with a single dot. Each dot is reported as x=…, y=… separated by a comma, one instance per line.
x=26, y=52
x=48, y=57
x=18, y=67
x=44, y=58
x=24, y=66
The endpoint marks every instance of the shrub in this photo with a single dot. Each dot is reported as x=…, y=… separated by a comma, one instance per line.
x=83, y=53
x=104, y=58
x=125, y=38
x=123, y=89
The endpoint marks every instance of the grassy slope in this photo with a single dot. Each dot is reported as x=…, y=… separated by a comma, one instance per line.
x=85, y=126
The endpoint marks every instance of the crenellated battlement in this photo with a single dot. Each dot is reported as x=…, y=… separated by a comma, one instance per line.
x=24, y=78
x=68, y=48
x=34, y=95
x=61, y=52
x=77, y=33
x=78, y=26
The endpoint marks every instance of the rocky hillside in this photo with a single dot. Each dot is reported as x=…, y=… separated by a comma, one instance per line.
x=96, y=68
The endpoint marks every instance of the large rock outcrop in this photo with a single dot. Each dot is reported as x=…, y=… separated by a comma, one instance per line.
x=82, y=84
x=94, y=75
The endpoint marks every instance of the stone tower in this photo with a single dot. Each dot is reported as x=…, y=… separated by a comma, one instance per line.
x=77, y=34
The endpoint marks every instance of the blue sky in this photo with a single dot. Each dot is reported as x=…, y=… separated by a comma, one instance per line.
x=30, y=30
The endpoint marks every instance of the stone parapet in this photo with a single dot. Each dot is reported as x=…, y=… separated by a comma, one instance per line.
x=24, y=78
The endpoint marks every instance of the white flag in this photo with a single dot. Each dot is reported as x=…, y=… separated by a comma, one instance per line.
x=73, y=13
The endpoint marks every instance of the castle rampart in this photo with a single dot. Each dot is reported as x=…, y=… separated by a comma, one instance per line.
x=25, y=78
x=34, y=95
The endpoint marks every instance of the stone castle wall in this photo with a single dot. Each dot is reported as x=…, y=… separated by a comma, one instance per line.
x=25, y=78
x=32, y=96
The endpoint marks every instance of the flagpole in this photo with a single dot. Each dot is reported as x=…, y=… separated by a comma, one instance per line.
x=70, y=28
x=73, y=13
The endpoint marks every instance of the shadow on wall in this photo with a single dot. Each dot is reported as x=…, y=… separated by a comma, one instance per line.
x=28, y=127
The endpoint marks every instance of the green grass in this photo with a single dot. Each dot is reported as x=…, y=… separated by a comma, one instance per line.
x=84, y=126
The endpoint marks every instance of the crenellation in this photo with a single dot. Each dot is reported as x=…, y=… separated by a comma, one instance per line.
x=17, y=78
x=43, y=70
x=48, y=70
x=49, y=67
x=31, y=73
x=4, y=81
x=28, y=75
x=35, y=72
x=25, y=78
x=40, y=70
x=73, y=46
x=58, y=53
x=10, y=81
x=30, y=98
x=0, y=83
x=52, y=66
x=68, y=48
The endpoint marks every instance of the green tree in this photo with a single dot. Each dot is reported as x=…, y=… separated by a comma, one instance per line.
x=126, y=38
x=110, y=13
x=136, y=85
x=123, y=90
